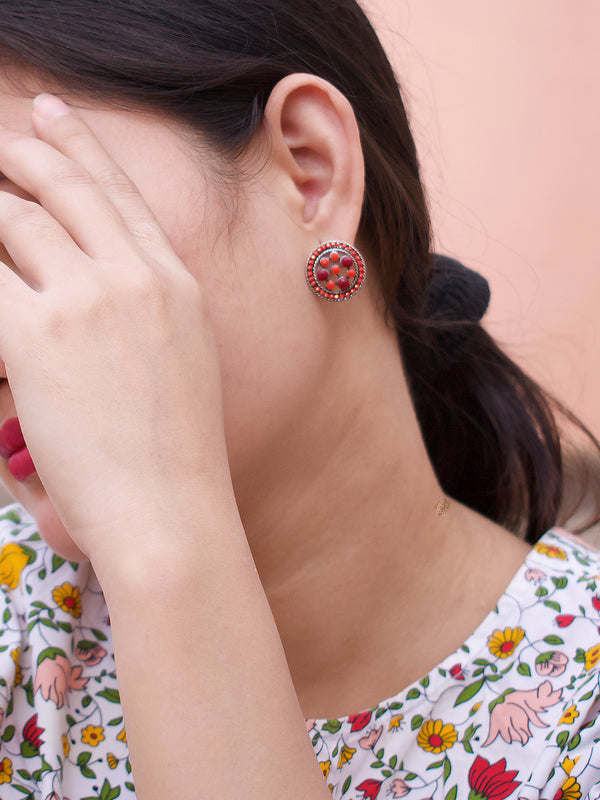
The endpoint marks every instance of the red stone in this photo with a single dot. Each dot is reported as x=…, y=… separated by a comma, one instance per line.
x=347, y=261
x=322, y=274
x=334, y=255
x=324, y=262
x=343, y=284
x=351, y=273
x=336, y=269
x=330, y=285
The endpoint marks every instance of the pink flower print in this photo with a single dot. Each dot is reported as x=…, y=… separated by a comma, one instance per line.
x=398, y=788
x=512, y=715
x=549, y=665
x=535, y=575
x=371, y=739
x=310, y=724
x=457, y=672
x=90, y=652
x=596, y=602
x=55, y=677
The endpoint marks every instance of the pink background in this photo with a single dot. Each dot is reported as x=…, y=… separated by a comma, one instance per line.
x=503, y=98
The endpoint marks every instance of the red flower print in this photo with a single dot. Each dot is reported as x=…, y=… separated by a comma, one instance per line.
x=596, y=602
x=369, y=788
x=457, y=672
x=491, y=781
x=31, y=733
x=360, y=721
x=563, y=620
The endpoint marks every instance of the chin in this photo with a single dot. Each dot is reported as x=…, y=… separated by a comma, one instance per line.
x=52, y=530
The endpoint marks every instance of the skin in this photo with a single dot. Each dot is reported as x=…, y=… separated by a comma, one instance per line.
x=236, y=422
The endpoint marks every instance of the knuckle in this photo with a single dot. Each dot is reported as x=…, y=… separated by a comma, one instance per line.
x=113, y=181
x=16, y=211
x=68, y=173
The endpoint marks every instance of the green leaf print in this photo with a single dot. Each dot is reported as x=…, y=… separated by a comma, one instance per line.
x=416, y=722
x=112, y=695
x=469, y=691
x=562, y=738
x=574, y=742
x=413, y=694
x=552, y=604
x=523, y=669
x=99, y=635
x=331, y=726
x=447, y=769
x=560, y=583
x=452, y=793
x=108, y=792
x=346, y=785
x=8, y=733
x=50, y=652
x=552, y=639
x=57, y=562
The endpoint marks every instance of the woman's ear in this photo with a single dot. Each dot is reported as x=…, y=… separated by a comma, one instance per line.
x=315, y=146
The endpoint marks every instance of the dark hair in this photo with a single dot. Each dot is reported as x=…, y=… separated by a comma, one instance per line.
x=489, y=429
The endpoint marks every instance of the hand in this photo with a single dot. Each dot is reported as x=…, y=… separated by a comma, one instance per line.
x=105, y=336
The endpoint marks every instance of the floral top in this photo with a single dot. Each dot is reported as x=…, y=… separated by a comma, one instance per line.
x=512, y=714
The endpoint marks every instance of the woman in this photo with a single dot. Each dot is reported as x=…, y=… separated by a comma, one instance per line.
x=253, y=480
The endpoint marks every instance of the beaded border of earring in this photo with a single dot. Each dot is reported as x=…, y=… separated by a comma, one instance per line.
x=335, y=271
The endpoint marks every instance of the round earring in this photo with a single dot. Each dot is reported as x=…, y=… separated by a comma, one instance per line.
x=335, y=271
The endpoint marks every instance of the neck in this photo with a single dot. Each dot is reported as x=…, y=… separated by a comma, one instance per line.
x=347, y=522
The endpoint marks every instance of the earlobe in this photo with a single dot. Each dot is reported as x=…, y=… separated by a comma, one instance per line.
x=315, y=140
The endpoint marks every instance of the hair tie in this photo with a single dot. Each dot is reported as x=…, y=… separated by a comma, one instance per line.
x=456, y=293
x=459, y=296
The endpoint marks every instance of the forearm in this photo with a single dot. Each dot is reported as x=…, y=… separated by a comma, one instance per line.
x=210, y=709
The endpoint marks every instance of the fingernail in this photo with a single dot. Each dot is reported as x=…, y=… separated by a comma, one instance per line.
x=48, y=106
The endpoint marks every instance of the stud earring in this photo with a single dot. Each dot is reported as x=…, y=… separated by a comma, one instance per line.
x=335, y=271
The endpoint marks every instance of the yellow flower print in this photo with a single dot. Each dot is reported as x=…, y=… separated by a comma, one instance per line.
x=570, y=790
x=569, y=763
x=15, y=655
x=325, y=767
x=122, y=737
x=592, y=656
x=66, y=746
x=92, y=735
x=569, y=716
x=112, y=760
x=551, y=551
x=68, y=598
x=13, y=559
x=6, y=770
x=345, y=755
x=503, y=644
x=435, y=737
x=395, y=722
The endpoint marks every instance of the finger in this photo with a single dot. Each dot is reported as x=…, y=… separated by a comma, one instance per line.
x=14, y=294
x=39, y=247
x=67, y=132
x=67, y=192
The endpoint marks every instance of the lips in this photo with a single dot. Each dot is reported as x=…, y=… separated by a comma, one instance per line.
x=14, y=450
